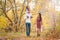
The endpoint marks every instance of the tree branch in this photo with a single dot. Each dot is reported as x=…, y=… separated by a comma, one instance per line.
x=21, y=13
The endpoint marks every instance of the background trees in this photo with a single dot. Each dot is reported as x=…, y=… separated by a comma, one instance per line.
x=13, y=11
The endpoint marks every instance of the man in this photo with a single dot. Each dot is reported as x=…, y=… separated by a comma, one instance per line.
x=27, y=18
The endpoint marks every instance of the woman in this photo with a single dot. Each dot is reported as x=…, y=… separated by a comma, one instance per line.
x=39, y=22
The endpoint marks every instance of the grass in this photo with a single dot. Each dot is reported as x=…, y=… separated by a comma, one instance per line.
x=45, y=35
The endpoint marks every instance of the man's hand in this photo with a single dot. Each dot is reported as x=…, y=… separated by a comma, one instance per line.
x=31, y=17
x=27, y=16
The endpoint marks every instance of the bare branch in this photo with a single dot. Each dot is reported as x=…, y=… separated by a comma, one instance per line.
x=21, y=13
x=8, y=9
x=4, y=11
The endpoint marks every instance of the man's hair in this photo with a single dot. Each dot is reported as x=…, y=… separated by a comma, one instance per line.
x=27, y=8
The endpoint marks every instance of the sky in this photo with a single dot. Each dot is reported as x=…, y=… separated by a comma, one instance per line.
x=54, y=3
x=31, y=4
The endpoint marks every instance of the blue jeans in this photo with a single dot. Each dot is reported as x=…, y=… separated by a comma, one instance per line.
x=28, y=29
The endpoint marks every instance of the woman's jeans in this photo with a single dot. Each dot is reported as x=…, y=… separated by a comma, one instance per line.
x=28, y=29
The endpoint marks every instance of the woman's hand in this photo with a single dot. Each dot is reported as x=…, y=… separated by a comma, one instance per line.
x=41, y=23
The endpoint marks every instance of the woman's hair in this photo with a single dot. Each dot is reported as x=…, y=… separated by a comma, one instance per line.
x=40, y=15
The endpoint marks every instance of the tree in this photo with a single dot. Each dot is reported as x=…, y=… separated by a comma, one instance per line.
x=12, y=6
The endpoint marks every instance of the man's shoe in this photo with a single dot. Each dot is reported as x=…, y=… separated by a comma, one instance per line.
x=38, y=35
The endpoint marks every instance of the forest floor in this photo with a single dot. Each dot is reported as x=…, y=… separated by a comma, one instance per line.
x=22, y=36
